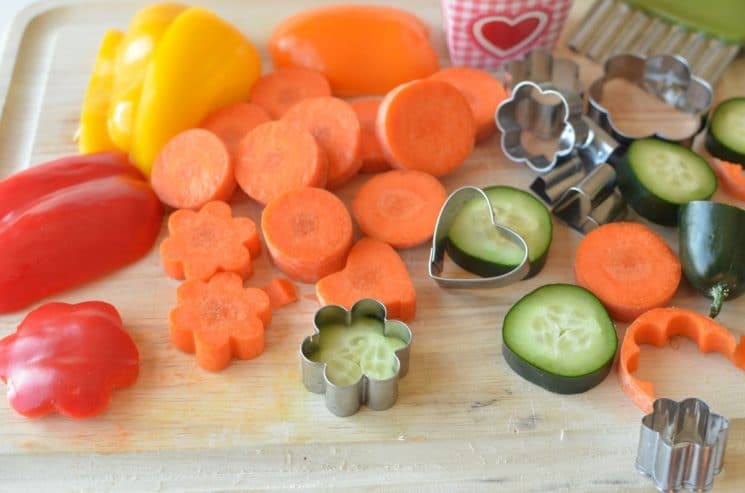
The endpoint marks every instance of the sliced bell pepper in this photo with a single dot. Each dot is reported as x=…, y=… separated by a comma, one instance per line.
x=92, y=134
x=132, y=59
x=655, y=327
x=67, y=358
x=70, y=221
x=200, y=64
x=711, y=237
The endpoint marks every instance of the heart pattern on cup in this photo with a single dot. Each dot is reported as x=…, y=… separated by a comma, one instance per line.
x=505, y=36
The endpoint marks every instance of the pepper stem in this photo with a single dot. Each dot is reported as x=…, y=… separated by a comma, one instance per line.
x=719, y=292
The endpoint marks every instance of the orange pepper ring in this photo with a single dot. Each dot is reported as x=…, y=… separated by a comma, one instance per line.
x=655, y=327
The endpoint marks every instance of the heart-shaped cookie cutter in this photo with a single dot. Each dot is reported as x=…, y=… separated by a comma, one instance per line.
x=345, y=400
x=681, y=445
x=449, y=210
x=668, y=77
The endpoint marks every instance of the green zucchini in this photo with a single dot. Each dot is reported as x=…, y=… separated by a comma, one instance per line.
x=477, y=247
x=561, y=338
x=725, y=137
x=711, y=240
x=656, y=177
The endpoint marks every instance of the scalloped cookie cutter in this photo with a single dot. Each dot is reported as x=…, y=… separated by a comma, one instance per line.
x=681, y=445
x=668, y=77
x=345, y=400
x=544, y=111
x=449, y=210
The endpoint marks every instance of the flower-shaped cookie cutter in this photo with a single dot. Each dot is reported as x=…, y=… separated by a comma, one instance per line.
x=668, y=77
x=541, y=67
x=681, y=445
x=346, y=399
x=546, y=112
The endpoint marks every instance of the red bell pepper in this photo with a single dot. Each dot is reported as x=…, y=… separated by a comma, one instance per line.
x=70, y=221
x=67, y=358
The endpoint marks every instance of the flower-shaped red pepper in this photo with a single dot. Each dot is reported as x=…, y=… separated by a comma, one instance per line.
x=67, y=358
x=219, y=319
x=209, y=241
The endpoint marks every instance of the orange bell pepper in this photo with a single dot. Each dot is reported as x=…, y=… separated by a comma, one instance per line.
x=655, y=327
x=361, y=49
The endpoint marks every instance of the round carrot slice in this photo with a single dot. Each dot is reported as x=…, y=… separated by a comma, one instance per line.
x=335, y=126
x=731, y=176
x=276, y=157
x=373, y=159
x=482, y=91
x=399, y=207
x=231, y=123
x=193, y=168
x=629, y=267
x=308, y=232
x=279, y=90
x=426, y=125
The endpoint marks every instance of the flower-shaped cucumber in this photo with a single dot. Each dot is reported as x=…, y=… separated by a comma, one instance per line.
x=356, y=356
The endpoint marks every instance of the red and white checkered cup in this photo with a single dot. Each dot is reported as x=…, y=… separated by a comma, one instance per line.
x=487, y=33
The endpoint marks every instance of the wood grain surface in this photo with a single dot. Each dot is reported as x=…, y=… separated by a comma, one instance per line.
x=463, y=421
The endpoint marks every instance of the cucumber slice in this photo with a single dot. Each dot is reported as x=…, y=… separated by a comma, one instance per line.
x=725, y=137
x=477, y=247
x=561, y=338
x=350, y=351
x=656, y=177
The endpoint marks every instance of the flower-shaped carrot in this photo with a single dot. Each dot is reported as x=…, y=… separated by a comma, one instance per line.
x=219, y=319
x=209, y=241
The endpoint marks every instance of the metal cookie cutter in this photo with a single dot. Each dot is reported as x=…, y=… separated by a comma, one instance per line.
x=449, y=211
x=682, y=445
x=354, y=328
x=534, y=108
x=666, y=76
x=582, y=189
x=647, y=27
x=546, y=102
x=541, y=67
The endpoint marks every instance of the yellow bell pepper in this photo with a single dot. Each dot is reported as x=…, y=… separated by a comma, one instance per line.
x=132, y=59
x=200, y=64
x=92, y=135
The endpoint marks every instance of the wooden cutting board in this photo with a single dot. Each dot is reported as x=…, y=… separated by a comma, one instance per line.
x=463, y=420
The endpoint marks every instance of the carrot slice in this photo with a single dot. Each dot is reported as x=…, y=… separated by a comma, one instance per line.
x=656, y=327
x=731, y=176
x=426, y=125
x=193, y=168
x=203, y=243
x=231, y=123
x=281, y=292
x=218, y=320
x=277, y=91
x=373, y=159
x=335, y=126
x=399, y=207
x=629, y=267
x=276, y=157
x=373, y=270
x=482, y=91
x=308, y=232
